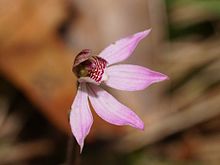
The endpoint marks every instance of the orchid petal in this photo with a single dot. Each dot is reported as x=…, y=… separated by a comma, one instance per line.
x=123, y=48
x=132, y=77
x=112, y=111
x=80, y=116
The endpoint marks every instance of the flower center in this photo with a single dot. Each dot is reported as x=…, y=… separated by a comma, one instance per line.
x=91, y=70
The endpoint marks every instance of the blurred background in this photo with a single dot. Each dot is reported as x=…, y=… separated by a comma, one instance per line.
x=39, y=40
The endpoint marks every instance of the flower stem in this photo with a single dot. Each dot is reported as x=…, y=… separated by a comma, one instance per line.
x=73, y=154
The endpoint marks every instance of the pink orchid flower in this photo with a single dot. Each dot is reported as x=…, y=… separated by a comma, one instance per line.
x=95, y=70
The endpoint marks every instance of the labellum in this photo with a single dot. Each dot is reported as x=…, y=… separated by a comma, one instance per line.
x=89, y=68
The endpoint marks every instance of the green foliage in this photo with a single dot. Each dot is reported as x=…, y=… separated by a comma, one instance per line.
x=203, y=28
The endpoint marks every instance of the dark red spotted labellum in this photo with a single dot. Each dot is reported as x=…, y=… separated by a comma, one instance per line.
x=89, y=68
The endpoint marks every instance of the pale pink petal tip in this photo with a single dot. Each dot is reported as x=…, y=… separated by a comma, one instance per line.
x=144, y=33
x=139, y=125
x=161, y=77
x=140, y=35
x=81, y=143
x=81, y=146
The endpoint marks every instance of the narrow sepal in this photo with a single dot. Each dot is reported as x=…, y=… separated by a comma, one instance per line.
x=80, y=116
x=123, y=48
x=111, y=110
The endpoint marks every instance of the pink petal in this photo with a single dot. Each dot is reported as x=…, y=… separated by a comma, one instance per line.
x=80, y=116
x=123, y=48
x=132, y=77
x=112, y=111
